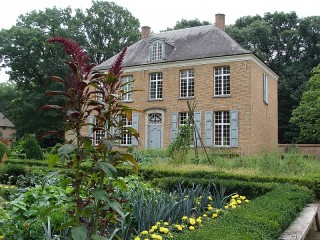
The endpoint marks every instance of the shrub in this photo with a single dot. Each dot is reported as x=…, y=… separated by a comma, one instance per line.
x=266, y=217
x=3, y=150
x=32, y=149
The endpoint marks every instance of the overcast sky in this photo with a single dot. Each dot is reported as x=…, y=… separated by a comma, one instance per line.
x=165, y=13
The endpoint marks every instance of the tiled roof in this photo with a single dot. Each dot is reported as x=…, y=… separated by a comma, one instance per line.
x=5, y=122
x=185, y=44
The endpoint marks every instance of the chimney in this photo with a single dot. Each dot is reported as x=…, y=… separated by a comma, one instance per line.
x=145, y=31
x=220, y=21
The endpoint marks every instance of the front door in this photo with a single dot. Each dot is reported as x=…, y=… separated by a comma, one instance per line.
x=154, y=130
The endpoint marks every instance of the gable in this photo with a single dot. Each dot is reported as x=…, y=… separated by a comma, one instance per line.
x=4, y=122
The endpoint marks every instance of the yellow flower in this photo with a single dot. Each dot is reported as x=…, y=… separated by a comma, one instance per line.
x=165, y=230
x=199, y=220
x=239, y=201
x=192, y=221
x=179, y=227
x=146, y=239
x=205, y=215
x=242, y=197
x=233, y=206
x=1, y=237
x=191, y=228
x=165, y=223
x=246, y=200
x=226, y=207
x=136, y=238
x=184, y=218
x=144, y=232
x=218, y=211
x=214, y=215
x=210, y=208
x=210, y=198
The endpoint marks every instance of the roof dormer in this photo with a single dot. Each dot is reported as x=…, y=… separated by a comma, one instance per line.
x=157, y=50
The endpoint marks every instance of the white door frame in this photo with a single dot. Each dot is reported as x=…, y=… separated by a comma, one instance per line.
x=146, y=141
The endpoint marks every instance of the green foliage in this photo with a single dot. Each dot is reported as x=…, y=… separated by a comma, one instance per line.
x=307, y=114
x=103, y=29
x=32, y=149
x=265, y=217
x=29, y=211
x=4, y=149
x=183, y=23
x=277, y=39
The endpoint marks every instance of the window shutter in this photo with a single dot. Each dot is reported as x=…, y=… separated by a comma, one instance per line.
x=135, y=118
x=197, y=122
x=208, y=117
x=234, y=139
x=90, y=125
x=174, y=126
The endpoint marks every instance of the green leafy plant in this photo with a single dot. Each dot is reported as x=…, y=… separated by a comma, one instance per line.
x=4, y=149
x=32, y=148
x=95, y=210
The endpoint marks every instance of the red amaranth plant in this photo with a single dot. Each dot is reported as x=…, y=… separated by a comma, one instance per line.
x=95, y=208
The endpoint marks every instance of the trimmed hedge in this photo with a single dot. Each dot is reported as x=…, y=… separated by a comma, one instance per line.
x=149, y=174
x=249, y=189
x=27, y=162
x=265, y=217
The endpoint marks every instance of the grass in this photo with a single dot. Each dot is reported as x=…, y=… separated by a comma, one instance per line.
x=270, y=165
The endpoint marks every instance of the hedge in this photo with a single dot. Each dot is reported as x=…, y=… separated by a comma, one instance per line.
x=265, y=217
x=149, y=174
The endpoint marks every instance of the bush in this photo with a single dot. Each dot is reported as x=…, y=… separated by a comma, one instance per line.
x=266, y=217
x=32, y=149
x=3, y=150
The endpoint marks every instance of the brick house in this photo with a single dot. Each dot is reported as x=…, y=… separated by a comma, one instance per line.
x=7, y=130
x=235, y=92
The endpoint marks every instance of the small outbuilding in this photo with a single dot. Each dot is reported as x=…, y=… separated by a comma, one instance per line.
x=7, y=130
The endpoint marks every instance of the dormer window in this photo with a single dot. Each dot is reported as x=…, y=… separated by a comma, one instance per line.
x=157, y=51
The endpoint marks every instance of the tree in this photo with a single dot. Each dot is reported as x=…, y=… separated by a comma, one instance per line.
x=290, y=46
x=183, y=23
x=103, y=30
x=108, y=28
x=307, y=114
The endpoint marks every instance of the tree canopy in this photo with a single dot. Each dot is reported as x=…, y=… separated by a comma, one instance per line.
x=184, y=23
x=307, y=114
x=102, y=30
x=291, y=47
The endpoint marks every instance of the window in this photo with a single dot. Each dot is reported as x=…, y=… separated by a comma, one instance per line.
x=222, y=81
x=157, y=51
x=156, y=86
x=222, y=128
x=186, y=83
x=126, y=139
x=97, y=135
x=183, y=118
x=126, y=88
x=265, y=88
x=99, y=94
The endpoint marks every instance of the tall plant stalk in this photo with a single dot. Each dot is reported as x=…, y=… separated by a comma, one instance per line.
x=95, y=209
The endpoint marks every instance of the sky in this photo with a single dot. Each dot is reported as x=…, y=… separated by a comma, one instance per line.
x=165, y=13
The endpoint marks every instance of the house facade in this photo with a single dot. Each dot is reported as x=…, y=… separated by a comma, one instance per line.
x=234, y=91
x=7, y=130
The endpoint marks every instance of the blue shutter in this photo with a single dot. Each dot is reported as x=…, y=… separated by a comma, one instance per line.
x=135, y=118
x=174, y=126
x=234, y=139
x=197, y=123
x=90, y=125
x=208, y=117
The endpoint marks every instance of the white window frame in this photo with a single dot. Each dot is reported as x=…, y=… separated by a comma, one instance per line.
x=183, y=118
x=127, y=88
x=157, y=51
x=97, y=135
x=222, y=82
x=221, y=129
x=156, y=83
x=265, y=88
x=125, y=139
x=186, y=83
